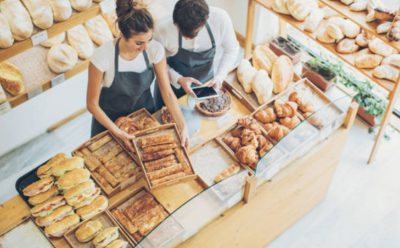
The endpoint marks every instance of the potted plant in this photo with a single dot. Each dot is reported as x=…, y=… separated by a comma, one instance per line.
x=281, y=46
x=319, y=73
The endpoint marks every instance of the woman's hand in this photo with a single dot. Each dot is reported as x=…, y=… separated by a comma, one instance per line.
x=185, y=136
x=126, y=138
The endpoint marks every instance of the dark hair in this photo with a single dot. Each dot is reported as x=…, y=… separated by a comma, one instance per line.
x=133, y=18
x=189, y=15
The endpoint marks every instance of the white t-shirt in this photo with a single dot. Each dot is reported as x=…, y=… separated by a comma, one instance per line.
x=103, y=59
x=227, y=46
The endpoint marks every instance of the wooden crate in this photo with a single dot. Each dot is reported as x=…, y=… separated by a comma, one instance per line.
x=164, y=129
x=92, y=152
x=107, y=221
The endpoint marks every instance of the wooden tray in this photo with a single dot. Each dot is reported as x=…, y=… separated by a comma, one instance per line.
x=107, y=220
x=94, y=162
x=164, y=129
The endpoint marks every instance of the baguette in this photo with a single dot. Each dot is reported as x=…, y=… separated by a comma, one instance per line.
x=183, y=160
x=156, y=140
x=156, y=155
x=154, y=163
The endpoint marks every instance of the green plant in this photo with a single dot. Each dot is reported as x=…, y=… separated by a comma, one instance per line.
x=321, y=67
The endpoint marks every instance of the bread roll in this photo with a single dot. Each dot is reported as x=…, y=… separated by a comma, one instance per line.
x=347, y=46
x=41, y=12
x=62, y=58
x=58, y=229
x=106, y=236
x=57, y=215
x=323, y=36
x=245, y=74
x=313, y=20
x=262, y=86
x=67, y=165
x=348, y=28
x=81, y=5
x=362, y=40
x=282, y=73
x=6, y=38
x=44, y=196
x=79, y=39
x=299, y=9
x=58, y=39
x=111, y=19
x=18, y=18
x=358, y=6
x=386, y=72
x=11, y=78
x=98, y=30
x=368, y=61
x=383, y=28
x=97, y=206
x=73, y=178
x=379, y=47
x=279, y=6
x=263, y=58
x=47, y=207
x=45, y=170
x=61, y=9
x=393, y=60
x=334, y=31
x=88, y=231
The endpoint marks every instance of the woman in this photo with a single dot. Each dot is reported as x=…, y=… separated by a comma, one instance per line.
x=121, y=74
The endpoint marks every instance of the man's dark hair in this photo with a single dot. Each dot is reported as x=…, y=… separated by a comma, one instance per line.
x=189, y=15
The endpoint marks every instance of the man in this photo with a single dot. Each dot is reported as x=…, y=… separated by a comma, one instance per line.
x=200, y=44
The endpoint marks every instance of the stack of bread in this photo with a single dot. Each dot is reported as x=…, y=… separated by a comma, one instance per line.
x=64, y=195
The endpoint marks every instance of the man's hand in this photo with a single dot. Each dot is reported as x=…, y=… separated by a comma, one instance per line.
x=186, y=83
x=216, y=84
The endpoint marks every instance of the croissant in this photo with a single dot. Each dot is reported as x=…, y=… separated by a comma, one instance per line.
x=237, y=132
x=285, y=109
x=247, y=155
x=249, y=138
x=278, y=132
x=266, y=115
x=269, y=126
x=261, y=140
x=290, y=122
x=303, y=105
x=250, y=123
x=264, y=149
x=232, y=142
x=126, y=124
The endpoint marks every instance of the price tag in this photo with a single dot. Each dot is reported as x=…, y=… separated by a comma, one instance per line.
x=39, y=37
x=107, y=6
x=58, y=80
x=35, y=92
x=5, y=107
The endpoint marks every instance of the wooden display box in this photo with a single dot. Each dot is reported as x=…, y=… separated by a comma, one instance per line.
x=164, y=129
x=107, y=220
x=114, y=155
x=281, y=46
x=319, y=80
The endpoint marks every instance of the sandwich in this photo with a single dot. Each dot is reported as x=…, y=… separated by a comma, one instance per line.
x=42, y=197
x=82, y=194
x=97, y=206
x=45, y=170
x=57, y=229
x=73, y=178
x=118, y=243
x=47, y=207
x=38, y=187
x=105, y=237
x=67, y=165
x=57, y=215
x=88, y=231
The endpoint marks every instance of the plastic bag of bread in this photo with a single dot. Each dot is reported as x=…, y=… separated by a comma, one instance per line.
x=299, y=9
x=379, y=47
x=61, y=58
x=98, y=30
x=11, y=78
x=313, y=20
x=263, y=58
x=61, y=9
x=262, y=86
x=41, y=12
x=81, y=5
x=245, y=73
x=18, y=18
x=6, y=38
x=386, y=72
x=279, y=6
x=58, y=39
x=111, y=19
x=79, y=39
x=282, y=73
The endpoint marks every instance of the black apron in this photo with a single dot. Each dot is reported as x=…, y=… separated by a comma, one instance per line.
x=198, y=65
x=128, y=92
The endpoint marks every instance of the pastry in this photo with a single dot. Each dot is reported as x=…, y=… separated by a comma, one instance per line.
x=61, y=58
x=58, y=39
x=248, y=137
x=98, y=30
x=11, y=78
x=323, y=36
x=271, y=125
x=386, y=72
x=394, y=30
x=266, y=115
x=237, y=132
x=251, y=124
x=298, y=9
x=262, y=86
x=118, y=243
x=145, y=122
x=168, y=178
x=282, y=73
x=57, y=229
x=99, y=142
x=329, y=13
x=233, y=143
x=334, y=31
x=381, y=14
x=88, y=231
x=362, y=40
x=156, y=155
x=368, y=61
x=97, y=206
x=280, y=7
x=157, y=148
x=245, y=75
x=158, y=164
x=347, y=46
x=278, y=132
x=302, y=105
x=313, y=20
x=18, y=18
x=379, y=47
x=247, y=155
x=215, y=106
x=79, y=39
x=265, y=148
x=383, y=28
x=126, y=124
x=120, y=216
x=61, y=9
x=170, y=170
x=166, y=116
x=358, y=6
x=81, y=5
x=108, y=176
x=285, y=109
x=290, y=122
x=393, y=60
x=6, y=37
x=263, y=58
x=156, y=140
x=41, y=12
x=349, y=29
x=227, y=172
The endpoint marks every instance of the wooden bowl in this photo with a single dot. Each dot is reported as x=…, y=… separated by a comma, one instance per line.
x=214, y=114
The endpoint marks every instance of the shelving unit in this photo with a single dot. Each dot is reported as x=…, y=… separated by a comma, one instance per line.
x=392, y=88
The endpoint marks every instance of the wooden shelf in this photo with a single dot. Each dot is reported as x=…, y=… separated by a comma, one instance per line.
x=76, y=19
x=360, y=19
x=347, y=58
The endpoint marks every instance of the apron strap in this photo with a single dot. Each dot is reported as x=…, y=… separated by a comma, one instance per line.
x=146, y=58
x=116, y=56
x=210, y=34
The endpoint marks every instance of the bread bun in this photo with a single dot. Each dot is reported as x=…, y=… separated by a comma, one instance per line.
x=282, y=73
x=97, y=206
x=61, y=58
x=57, y=229
x=66, y=165
x=38, y=187
x=73, y=178
x=79, y=194
x=61, y=9
x=105, y=237
x=88, y=231
x=245, y=74
x=263, y=58
x=98, y=30
x=45, y=170
x=118, y=243
x=11, y=78
x=58, y=39
x=57, y=215
x=47, y=207
x=44, y=196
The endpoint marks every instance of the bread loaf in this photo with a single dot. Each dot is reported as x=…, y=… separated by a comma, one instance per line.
x=263, y=58
x=245, y=73
x=11, y=78
x=81, y=5
x=79, y=39
x=58, y=39
x=98, y=30
x=386, y=72
x=41, y=12
x=62, y=58
x=379, y=47
x=347, y=46
x=299, y=9
x=282, y=73
x=18, y=18
x=280, y=7
x=6, y=38
x=61, y=9
x=313, y=20
x=368, y=61
x=262, y=86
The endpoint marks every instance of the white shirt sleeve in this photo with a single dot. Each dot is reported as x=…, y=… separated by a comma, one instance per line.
x=100, y=58
x=230, y=47
x=155, y=52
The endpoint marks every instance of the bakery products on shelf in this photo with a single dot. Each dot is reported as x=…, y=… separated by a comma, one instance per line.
x=263, y=58
x=11, y=78
x=393, y=60
x=79, y=39
x=215, y=106
x=81, y=5
x=245, y=74
x=368, y=61
x=98, y=30
x=299, y=9
x=18, y=18
x=61, y=58
x=262, y=86
x=379, y=47
x=386, y=72
x=58, y=39
x=282, y=73
x=6, y=37
x=393, y=33
x=97, y=206
x=347, y=46
x=280, y=7
x=313, y=20
x=41, y=13
x=61, y=9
